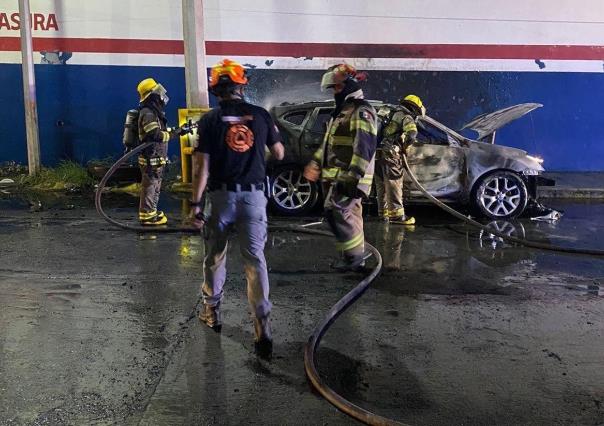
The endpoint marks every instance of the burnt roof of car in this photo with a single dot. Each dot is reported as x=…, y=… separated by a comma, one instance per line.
x=326, y=102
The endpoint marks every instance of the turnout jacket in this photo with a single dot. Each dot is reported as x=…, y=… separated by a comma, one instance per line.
x=348, y=149
x=400, y=128
x=399, y=131
x=152, y=124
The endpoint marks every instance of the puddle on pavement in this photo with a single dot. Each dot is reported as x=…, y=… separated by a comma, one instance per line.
x=438, y=248
x=444, y=259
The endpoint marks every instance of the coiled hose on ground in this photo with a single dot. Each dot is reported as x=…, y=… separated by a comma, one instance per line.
x=345, y=302
x=314, y=340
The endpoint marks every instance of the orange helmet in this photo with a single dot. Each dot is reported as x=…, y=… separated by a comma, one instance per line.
x=227, y=72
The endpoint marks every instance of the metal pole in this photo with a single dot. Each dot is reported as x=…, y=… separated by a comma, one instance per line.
x=29, y=90
x=195, y=54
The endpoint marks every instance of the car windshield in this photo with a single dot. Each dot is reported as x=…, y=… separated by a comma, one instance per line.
x=431, y=132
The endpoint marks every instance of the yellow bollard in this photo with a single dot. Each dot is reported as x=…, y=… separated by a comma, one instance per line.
x=188, y=142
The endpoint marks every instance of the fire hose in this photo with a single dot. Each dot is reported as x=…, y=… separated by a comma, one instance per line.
x=516, y=240
x=314, y=340
x=312, y=345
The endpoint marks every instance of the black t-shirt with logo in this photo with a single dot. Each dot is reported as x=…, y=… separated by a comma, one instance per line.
x=235, y=136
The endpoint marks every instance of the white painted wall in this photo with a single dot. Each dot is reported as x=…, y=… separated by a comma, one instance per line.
x=346, y=21
x=486, y=22
x=138, y=19
x=409, y=21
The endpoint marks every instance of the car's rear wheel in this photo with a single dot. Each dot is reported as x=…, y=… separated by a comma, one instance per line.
x=500, y=195
x=291, y=194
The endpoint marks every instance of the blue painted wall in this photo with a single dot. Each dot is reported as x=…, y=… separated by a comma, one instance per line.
x=81, y=108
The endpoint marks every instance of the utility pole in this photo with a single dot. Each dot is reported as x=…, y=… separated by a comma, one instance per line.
x=195, y=54
x=29, y=90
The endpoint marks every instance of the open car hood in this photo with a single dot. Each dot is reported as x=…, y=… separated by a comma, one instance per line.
x=485, y=124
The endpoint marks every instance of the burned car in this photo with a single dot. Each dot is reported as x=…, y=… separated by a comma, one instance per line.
x=497, y=181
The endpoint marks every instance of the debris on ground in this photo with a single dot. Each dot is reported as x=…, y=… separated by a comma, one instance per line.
x=537, y=211
x=12, y=169
x=6, y=182
x=67, y=175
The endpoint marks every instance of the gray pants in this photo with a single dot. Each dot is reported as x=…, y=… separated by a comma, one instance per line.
x=345, y=217
x=246, y=210
x=389, y=196
x=150, y=188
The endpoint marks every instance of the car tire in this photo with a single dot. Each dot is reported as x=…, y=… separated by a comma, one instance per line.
x=291, y=194
x=501, y=194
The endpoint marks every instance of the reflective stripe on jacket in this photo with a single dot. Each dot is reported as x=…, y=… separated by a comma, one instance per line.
x=152, y=128
x=153, y=161
x=401, y=128
x=348, y=149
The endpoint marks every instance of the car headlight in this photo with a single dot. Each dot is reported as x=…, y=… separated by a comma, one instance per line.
x=536, y=159
x=530, y=172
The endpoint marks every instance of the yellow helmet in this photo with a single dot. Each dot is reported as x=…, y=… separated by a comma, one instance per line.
x=149, y=86
x=414, y=100
x=414, y=103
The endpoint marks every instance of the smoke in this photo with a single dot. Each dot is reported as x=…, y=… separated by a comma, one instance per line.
x=270, y=88
x=307, y=92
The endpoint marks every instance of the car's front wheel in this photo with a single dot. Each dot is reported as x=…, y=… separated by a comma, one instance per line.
x=500, y=195
x=291, y=194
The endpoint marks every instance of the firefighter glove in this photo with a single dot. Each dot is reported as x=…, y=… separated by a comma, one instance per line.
x=186, y=128
x=312, y=171
x=407, y=142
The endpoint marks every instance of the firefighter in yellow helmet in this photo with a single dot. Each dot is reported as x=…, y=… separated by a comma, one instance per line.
x=345, y=163
x=229, y=162
x=152, y=127
x=399, y=130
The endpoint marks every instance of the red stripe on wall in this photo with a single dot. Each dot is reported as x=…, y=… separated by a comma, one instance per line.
x=433, y=51
x=97, y=45
x=270, y=49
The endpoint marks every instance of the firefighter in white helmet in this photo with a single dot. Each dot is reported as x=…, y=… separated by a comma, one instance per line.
x=345, y=163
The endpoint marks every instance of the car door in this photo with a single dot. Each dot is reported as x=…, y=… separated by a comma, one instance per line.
x=437, y=159
x=314, y=132
x=292, y=123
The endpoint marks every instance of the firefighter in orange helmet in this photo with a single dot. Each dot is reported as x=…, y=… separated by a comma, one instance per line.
x=229, y=161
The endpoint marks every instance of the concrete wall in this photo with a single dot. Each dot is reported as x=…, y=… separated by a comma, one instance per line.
x=463, y=58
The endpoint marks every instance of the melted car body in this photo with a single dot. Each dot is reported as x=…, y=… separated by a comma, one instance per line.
x=497, y=180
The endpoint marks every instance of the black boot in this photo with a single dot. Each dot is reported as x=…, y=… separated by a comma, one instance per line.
x=210, y=315
x=263, y=339
x=356, y=264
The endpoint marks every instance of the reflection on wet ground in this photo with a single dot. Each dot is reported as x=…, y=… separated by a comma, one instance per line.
x=97, y=326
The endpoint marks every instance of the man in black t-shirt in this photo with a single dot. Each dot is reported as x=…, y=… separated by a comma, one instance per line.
x=230, y=162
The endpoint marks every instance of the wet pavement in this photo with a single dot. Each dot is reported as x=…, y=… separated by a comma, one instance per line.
x=97, y=325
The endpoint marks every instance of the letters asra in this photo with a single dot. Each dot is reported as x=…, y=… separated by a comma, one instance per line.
x=39, y=22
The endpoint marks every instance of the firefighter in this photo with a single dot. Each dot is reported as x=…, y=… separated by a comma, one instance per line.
x=152, y=128
x=399, y=131
x=230, y=162
x=345, y=163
